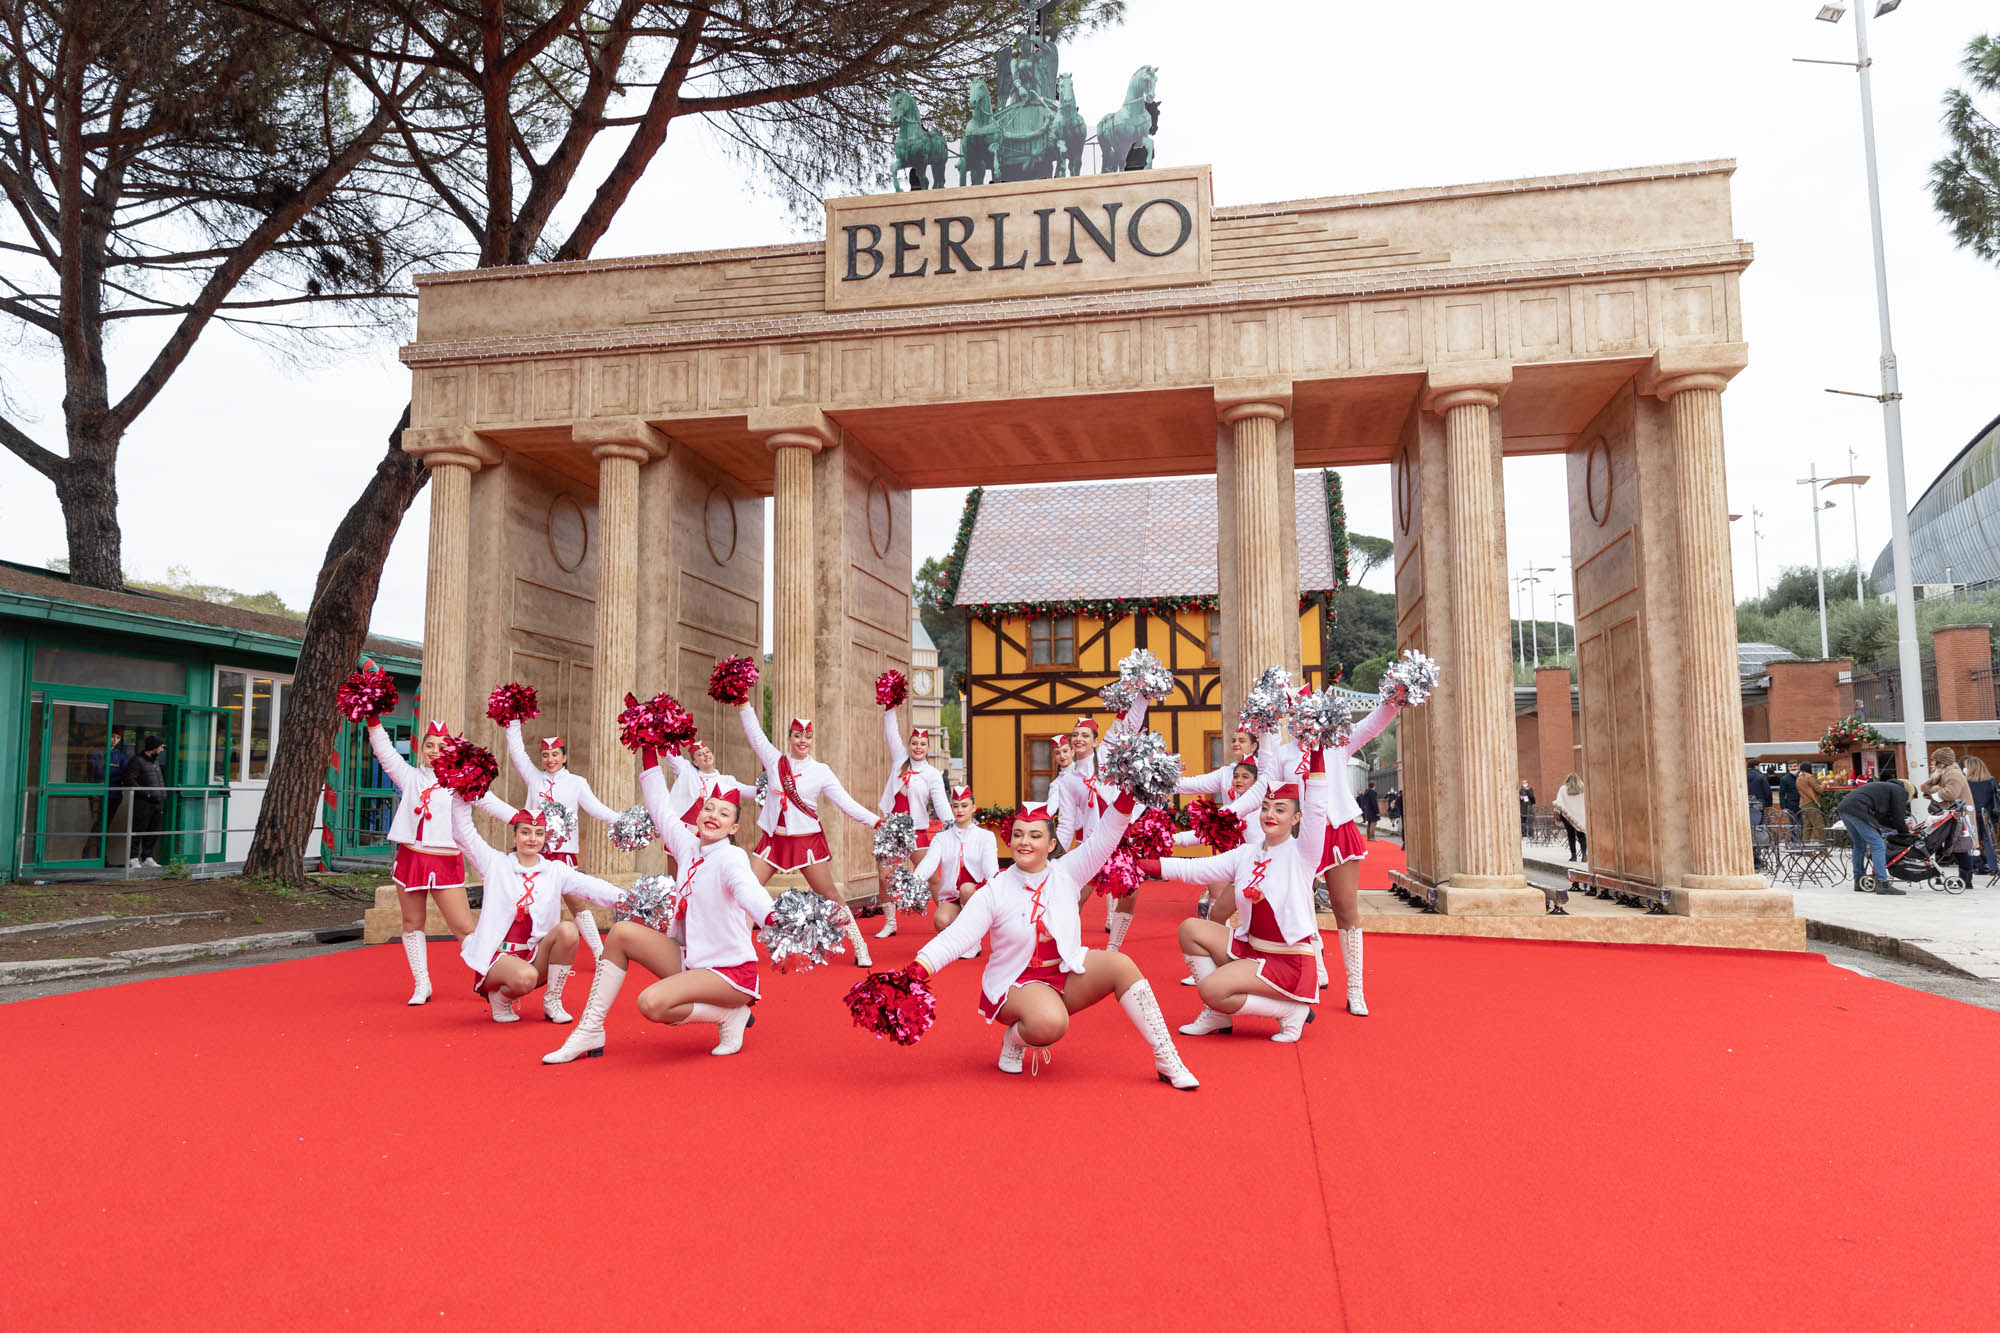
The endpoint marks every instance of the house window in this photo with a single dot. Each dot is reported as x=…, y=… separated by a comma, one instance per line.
x=1214, y=637
x=1038, y=768
x=1052, y=641
x=1211, y=742
x=254, y=701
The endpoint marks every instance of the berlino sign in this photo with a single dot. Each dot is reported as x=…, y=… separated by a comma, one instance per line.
x=997, y=242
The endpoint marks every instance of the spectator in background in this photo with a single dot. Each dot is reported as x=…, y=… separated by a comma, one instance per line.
x=1569, y=809
x=1788, y=791
x=1371, y=810
x=1527, y=808
x=1980, y=778
x=1948, y=788
x=1760, y=801
x=1812, y=814
x=1868, y=813
x=149, y=798
x=1396, y=809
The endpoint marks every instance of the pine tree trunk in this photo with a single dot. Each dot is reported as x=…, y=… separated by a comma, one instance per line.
x=87, y=488
x=336, y=628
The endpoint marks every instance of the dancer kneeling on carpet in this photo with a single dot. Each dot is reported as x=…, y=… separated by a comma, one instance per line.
x=553, y=783
x=968, y=855
x=709, y=973
x=915, y=788
x=428, y=865
x=793, y=838
x=1265, y=967
x=1038, y=972
x=511, y=953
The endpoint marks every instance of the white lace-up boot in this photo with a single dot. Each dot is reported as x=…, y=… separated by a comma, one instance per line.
x=1121, y=922
x=586, y=1039
x=1350, y=954
x=503, y=1006
x=586, y=929
x=1291, y=1014
x=1144, y=1011
x=420, y=965
x=729, y=1025
x=1107, y=912
x=1199, y=966
x=857, y=942
x=1319, y=959
x=552, y=1005
x=888, y=921
x=1207, y=1023
x=1012, y=1048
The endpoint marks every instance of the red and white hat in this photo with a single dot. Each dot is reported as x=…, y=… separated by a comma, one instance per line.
x=960, y=793
x=1033, y=812
x=804, y=724
x=554, y=743
x=1086, y=723
x=1288, y=791
x=924, y=732
x=536, y=820
x=437, y=729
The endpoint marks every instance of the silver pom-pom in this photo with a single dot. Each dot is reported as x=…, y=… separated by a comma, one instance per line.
x=1142, y=765
x=1409, y=680
x=1144, y=675
x=895, y=839
x=804, y=930
x=633, y=830
x=652, y=901
x=763, y=788
x=1321, y=720
x=909, y=893
x=1119, y=695
x=561, y=821
x=1269, y=703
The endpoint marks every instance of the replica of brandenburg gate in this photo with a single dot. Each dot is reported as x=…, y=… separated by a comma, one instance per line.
x=601, y=435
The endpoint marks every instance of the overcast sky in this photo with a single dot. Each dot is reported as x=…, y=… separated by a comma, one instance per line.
x=242, y=467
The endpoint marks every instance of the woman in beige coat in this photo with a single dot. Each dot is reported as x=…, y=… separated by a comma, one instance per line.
x=1947, y=788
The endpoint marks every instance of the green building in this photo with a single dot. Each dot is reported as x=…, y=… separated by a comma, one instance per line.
x=86, y=676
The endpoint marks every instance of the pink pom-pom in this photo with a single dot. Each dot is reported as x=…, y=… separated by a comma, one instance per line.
x=1150, y=836
x=1121, y=874
x=660, y=723
x=513, y=702
x=891, y=688
x=466, y=768
x=1219, y=827
x=366, y=693
x=732, y=680
x=896, y=1005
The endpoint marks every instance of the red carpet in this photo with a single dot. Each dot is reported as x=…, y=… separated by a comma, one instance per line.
x=1524, y=1136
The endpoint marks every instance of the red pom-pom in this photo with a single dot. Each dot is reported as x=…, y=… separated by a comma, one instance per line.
x=896, y=1005
x=660, y=723
x=732, y=680
x=365, y=694
x=1216, y=825
x=466, y=768
x=891, y=688
x=1121, y=874
x=513, y=702
x=1151, y=835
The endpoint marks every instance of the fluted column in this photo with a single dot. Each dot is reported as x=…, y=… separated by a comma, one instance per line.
x=793, y=569
x=1264, y=618
x=452, y=454
x=1487, y=876
x=1691, y=381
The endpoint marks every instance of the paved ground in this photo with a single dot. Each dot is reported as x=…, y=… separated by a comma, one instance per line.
x=36, y=990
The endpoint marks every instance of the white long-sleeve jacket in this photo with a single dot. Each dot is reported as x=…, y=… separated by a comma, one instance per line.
x=1079, y=796
x=921, y=783
x=974, y=849
x=509, y=885
x=716, y=882
x=564, y=787
x=423, y=804
x=1245, y=807
x=1007, y=910
x=692, y=787
x=1281, y=875
x=812, y=781
x=1275, y=756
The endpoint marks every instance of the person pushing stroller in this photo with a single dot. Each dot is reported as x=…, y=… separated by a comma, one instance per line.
x=1870, y=813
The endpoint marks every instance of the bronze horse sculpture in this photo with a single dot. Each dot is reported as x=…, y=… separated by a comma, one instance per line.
x=920, y=150
x=1125, y=137
x=982, y=137
x=1071, y=130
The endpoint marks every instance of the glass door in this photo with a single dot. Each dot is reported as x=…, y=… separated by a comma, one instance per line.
x=197, y=761
x=69, y=776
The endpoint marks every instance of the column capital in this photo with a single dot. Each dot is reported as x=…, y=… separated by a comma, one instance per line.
x=1470, y=382
x=1245, y=399
x=619, y=437
x=794, y=428
x=1675, y=369
x=449, y=446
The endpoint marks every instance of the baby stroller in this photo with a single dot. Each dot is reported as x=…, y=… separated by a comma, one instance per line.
x=1914, y=857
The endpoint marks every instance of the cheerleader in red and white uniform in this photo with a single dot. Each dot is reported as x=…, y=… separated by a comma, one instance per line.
x=1084, y=797
x=792, y=836
x=696, y=778
x=511, y=953
x=709, y=973
x=966, y=854
x=915, y=788
x=1265, y=966
x=1218, y=781
x=553, y=781
x=1037, y=971
x=1344, y=848
x=428, y=867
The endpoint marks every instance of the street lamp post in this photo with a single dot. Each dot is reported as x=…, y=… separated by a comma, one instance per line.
x=1857, y=481
x=1528, y=576
x=1819, y=564
x=1560, y=598
x=1910, y=664
x=1520, y=648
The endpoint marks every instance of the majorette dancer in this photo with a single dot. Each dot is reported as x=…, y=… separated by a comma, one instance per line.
x=1265, y=966
x=512, y=952
x=709, y=975
x=792, y=836
x=915, y=788
x=1344, y=847
x=553, y=781
x=696, y=778
x=968, y=855
x=429, y=867
x=1217, y=781
x=1244, y=798
x=1083, y=799
x=1038, y=973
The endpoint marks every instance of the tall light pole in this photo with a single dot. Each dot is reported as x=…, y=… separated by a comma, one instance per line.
x=1520, y=648
x=1857, y=481
x=1891, y=398
x=1819, y=565
x=1529, y=577
x=1560, y=598
x=1756, y=539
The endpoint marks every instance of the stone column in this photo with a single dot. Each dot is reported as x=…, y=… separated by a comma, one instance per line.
x=1264, y=623
x=452, y=454
x=1690, y=381
x=1487, y=878
x=793, y=438
x=620, y=445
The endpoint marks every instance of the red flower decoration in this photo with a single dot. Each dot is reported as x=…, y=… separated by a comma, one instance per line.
x=732, y=680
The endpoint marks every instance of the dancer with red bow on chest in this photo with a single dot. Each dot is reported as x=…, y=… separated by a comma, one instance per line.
x=968, y=856
x=512, y=952
x=1083, y=797
x=1037, y=971
x=554, y=783
x=696, y=778
x=428, y=867
x=915, y=786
